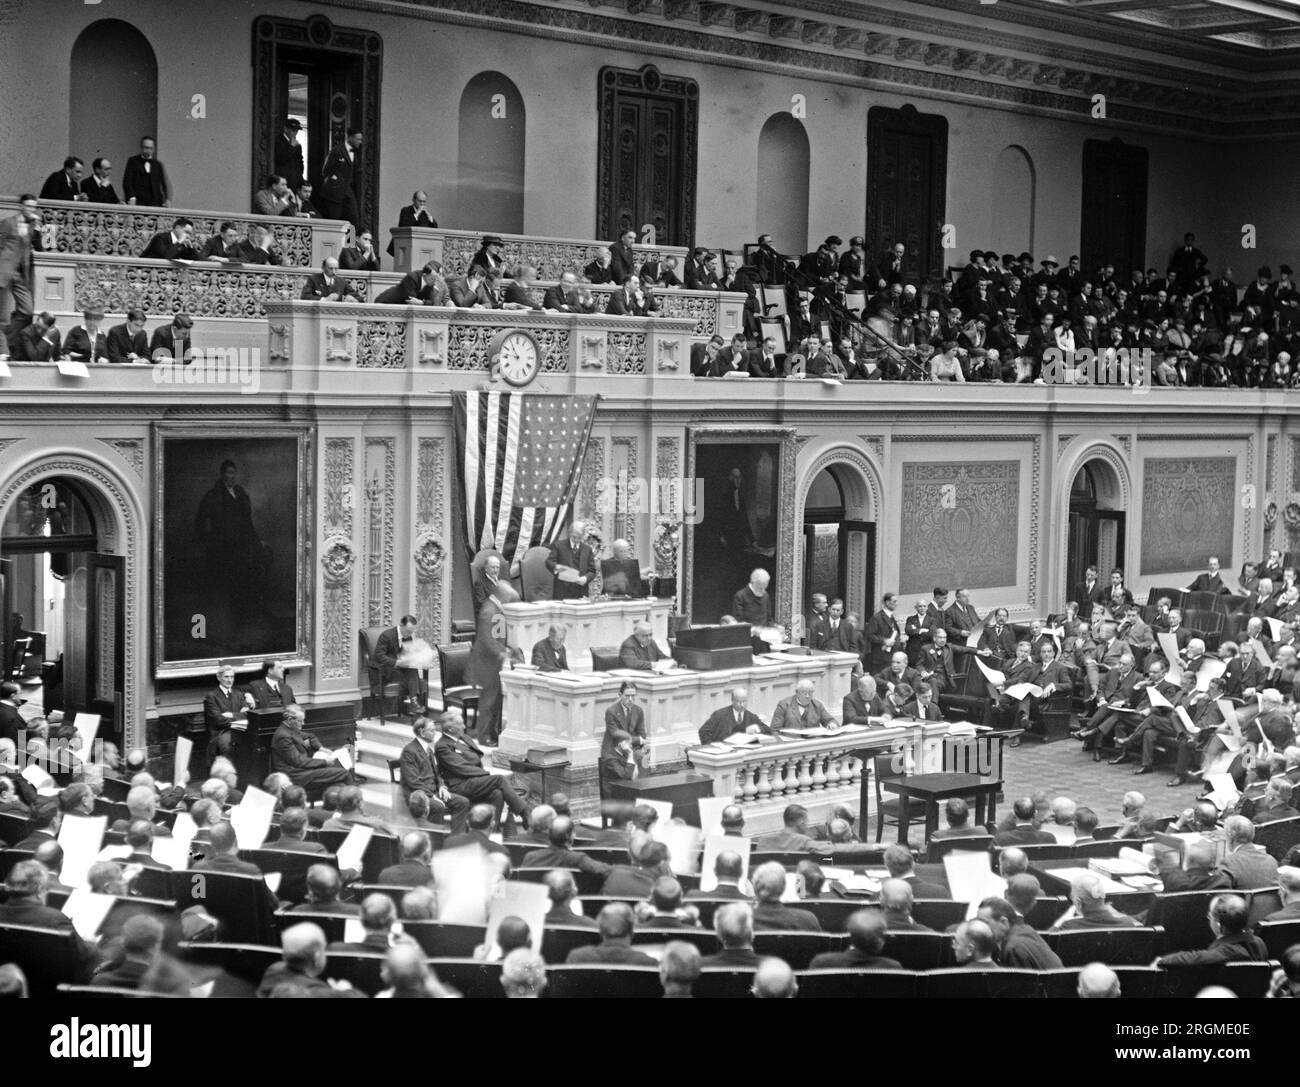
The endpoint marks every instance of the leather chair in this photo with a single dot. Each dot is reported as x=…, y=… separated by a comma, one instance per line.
x=382, y=693
x=453, y=659
x=605, y=658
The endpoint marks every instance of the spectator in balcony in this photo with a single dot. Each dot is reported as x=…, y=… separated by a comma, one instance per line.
x=476, y=290
x=516, y=295
x=327, y=285
x=416, y=213
x=65, y=184
x=302, y=206
x=769, y=264
x=424, y=287
x=946, y=365
x=734, y=358
x=700, y=272
x=731, y=279
x=259, y=247
x=622, y=259
x=40, y=341
x=173, y=340
x=661, y=273
x=127, y=342
x=631, y=301
x=145, y=181
x=703, y=354
x=288, y=154
x=176, y=244
x=855, y=266
x=88, y=342
x=223, y=246
x=890, y=267
x=98, y=187
x=763, y=359
x=600, y=268
x=361, y=256
x=563, y=297
x=274, y=197
x=337, y=198
x=488, y=258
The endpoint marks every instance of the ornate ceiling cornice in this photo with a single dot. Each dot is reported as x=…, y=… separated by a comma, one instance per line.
x=913, y=54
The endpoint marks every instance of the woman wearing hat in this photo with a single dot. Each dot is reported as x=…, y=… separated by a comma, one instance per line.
x=489, y=255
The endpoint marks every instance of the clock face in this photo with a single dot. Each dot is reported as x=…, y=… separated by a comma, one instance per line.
x=517, y=357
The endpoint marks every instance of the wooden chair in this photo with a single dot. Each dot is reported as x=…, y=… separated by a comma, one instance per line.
x=248, y=961
x=1045, y=910
x=453, y=660
x=13, y=827
x=332, y=924
x=919, y=950
x=877, y=984
x=832, y=913
x=360, y=968
x=605, y=658
x=1183, y=917
x=381, y=851
x=292, y=867
x=888, y=811
x=1278, y=837
x=1085, y=851
x=1247, y=979
x=383, y=693
x=243, y=904
x=1140, y=982
x=47, y=957
x=723, y=983
x=968, y=984
x=470, y=978
x=798, y=948
x=1126, y=946
x=463, y=630
x=445, y=939
x=559, y=940
x=941, y=847
x=603, y=982
x=704, y=939
x=939, y=914
x=587, y=882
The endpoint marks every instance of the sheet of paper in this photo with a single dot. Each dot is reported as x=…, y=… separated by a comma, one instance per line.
x=1261, y=655
x=80, y=837
x=1169, y=646
x=567, y=574
x=354, y=932
x=515, y=898
x=173, y=852
x=711, y=808
x=683, y=844
x=343, y=757
x=354, y=847
x=713, y=845
x=991, y=674
x=663, y=807
x=251, y=819
x=792, y=883
x=273, y=880
x=969, y=874
x=973, y=638
x=4, y=368
x=1021, y=690
x=36, y=777
x=840, y=874
x=87, y=725
x=1065, y=835
x=627, y=673
x=1222, y=784
x=87, y=911
x=1180, y=712
x=1157, y=700
x=1210, y=669
x=861, y=884
x=68, y=368
x=184, y=747
x=461, y=880
x=1275, y=628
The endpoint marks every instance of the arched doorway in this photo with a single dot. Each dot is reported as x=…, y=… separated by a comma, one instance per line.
x=62, y=603
x=782, y=208
x=491, y=176
x=1096, y=522
x=113, y=93
x=1013, y=191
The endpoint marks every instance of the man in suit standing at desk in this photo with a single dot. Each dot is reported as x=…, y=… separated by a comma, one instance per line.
x=752, y=604
x=624, y=716
x=490, y=656
x=419, y=770
x=549, y=654
x=731, y=719
x=271, y=691
x=486, y=583
x=577, y=556
x=385, y=655
x=300, y=756
x=223, y=710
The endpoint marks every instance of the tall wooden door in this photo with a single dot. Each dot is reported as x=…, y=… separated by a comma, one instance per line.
x=646, y=155
x=907, y=169
x=1114, y=220
x=105, y=631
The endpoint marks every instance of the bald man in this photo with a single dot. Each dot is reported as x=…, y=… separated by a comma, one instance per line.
x=303, y=948
x=575, y=555
x=802, y=710
x=731, y=719
x=1097, y=981
x=774, y=980
x=867, y=937
x=752, y=604
x=641, y=652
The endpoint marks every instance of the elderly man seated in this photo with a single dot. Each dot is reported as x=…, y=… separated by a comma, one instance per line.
x=802, y=710
x=300, y=756
x=1088, y=907
x=641, y=652
x=732, y=719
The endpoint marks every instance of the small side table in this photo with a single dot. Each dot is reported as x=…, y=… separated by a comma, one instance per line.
x=523, y=766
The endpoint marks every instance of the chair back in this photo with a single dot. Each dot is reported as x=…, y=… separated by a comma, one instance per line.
x=292, y=867
x=832, y=913
x=381, y=851
x=559, y=940
x=13, y=827
x=242, y=960
x=603, y=982
x=1110, y=847
x=445, y=939
x=537, y=581
x=798, y=948
x=1045, y=910
x=977, y=984
x=605, y=658
x=587, y=882
x=46, y=956
x=887, y=984
x=1278, y=936
x=1120, y=945
x=1247, y=979
x=1278, y=837
x=116, y=789
x=360, y=968
x=704, y=939
x=243, y=904
x=1183, y=916
x=367, y=639
x=724, y=982
x=453, y=660
x=941, y=847
x=939, y=914
x=919, y=950
x=10, y=857
x=332, y=924
x=472, y=979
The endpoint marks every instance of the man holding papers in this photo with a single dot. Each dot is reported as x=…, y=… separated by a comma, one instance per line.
x=1161, y=699
x=732, y=719
x=300, y=755
x=884, y=633
x=1198, y=722
x=1045, y=680
x=1120, y=690
x=573, y=564
x=1106, y=656
x=802, y=710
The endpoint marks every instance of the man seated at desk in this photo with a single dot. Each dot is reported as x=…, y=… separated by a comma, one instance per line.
x=622, y=575
x=549, y=654
x=924, y=706
x=732, y=719
x=620, y=764
x=863, y=702
x=299, y=755
x=752, y=604
x=388, y=652
x=802, y=710
x=223, y=711
x=624, y=716
x=642, y=652
x=271, y=691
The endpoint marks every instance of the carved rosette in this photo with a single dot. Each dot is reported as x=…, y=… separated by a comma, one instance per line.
x=338, y=558
x=381, y=345
x=430, y=556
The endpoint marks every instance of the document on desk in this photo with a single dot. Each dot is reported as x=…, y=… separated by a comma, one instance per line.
x=861, y=884
x=792, y=658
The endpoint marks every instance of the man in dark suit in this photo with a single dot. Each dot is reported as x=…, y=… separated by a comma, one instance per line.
x=173, y=340
x=622, y=258
x=1051, y=676
x=935, y=664
x=1119, y=688
x=998, y=640
x=660, y=273
x=98, y=188
x=361, y=256
x=631, y=301
x=490, y=656
x=20, y=239
x=223, y=709
x=176, y=244
x=11, y=721
x=385, y=656
x=770, y=913
x=896, y=673
x=259, y=247
x=1089, y=591
x=731, y=719
x=337, y=198
x=577, y=555
x=460, y=761
x=867, y=937
x=223, y=854
x=293, y=831
x=424, y=287
x=733, y=358
x=288, y=154
x=926, y=882
x=270, y=691
x=416, y=213
x=413, y=869
x=957, y=815
x=65, y=184
x=1233, y=940
x=960, y=618
x=144, y=182
x=863, y=702
x=624, y=716
x=728, y=870
x=475, y=290
x=478, y=826
x=1210, y=581
x=1200, y=873
x=762, y=361
x=1248, y=866
x=884, y=634
x=751, y=603
x=925, y=705
x=561, y=854
x=549, y=655
x=802, y=710
x=563, y=297
x=327, y=285
x=616, y=923
x=295, y=753
x=27, y=884
x=700, y=272
x=1021, y=947
x=1025, y=831
x=419, y=773
x=223, y=246
x=1156, y=721
x=40, y=341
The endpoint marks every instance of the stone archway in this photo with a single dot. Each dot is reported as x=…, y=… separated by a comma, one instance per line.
x=1113, y=485
x=859, y=479
x=121, y=530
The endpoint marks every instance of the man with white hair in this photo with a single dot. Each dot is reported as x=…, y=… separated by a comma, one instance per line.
x=300, y=755
x=774, y=980
x=574, y=558
x=486, y=583
x=731, y=719
x=1247, y=865
x=802, y=710
x=752, y=604
x=863, y=702
x=1097, y=981
x=641, y=652
x=523, y=974
x=303, y=948
x=1088, y=906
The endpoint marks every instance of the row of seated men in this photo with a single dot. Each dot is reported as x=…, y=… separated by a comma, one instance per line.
x=1000, y=935
x=90, y=341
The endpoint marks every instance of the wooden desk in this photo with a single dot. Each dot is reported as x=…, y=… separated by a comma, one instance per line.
x=682, y=790
x=601, y=623
x=931, y=788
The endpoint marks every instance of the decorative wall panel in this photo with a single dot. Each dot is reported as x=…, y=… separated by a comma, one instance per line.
x=1188, y=508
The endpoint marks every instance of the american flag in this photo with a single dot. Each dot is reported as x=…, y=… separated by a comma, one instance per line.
x=519, y=458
